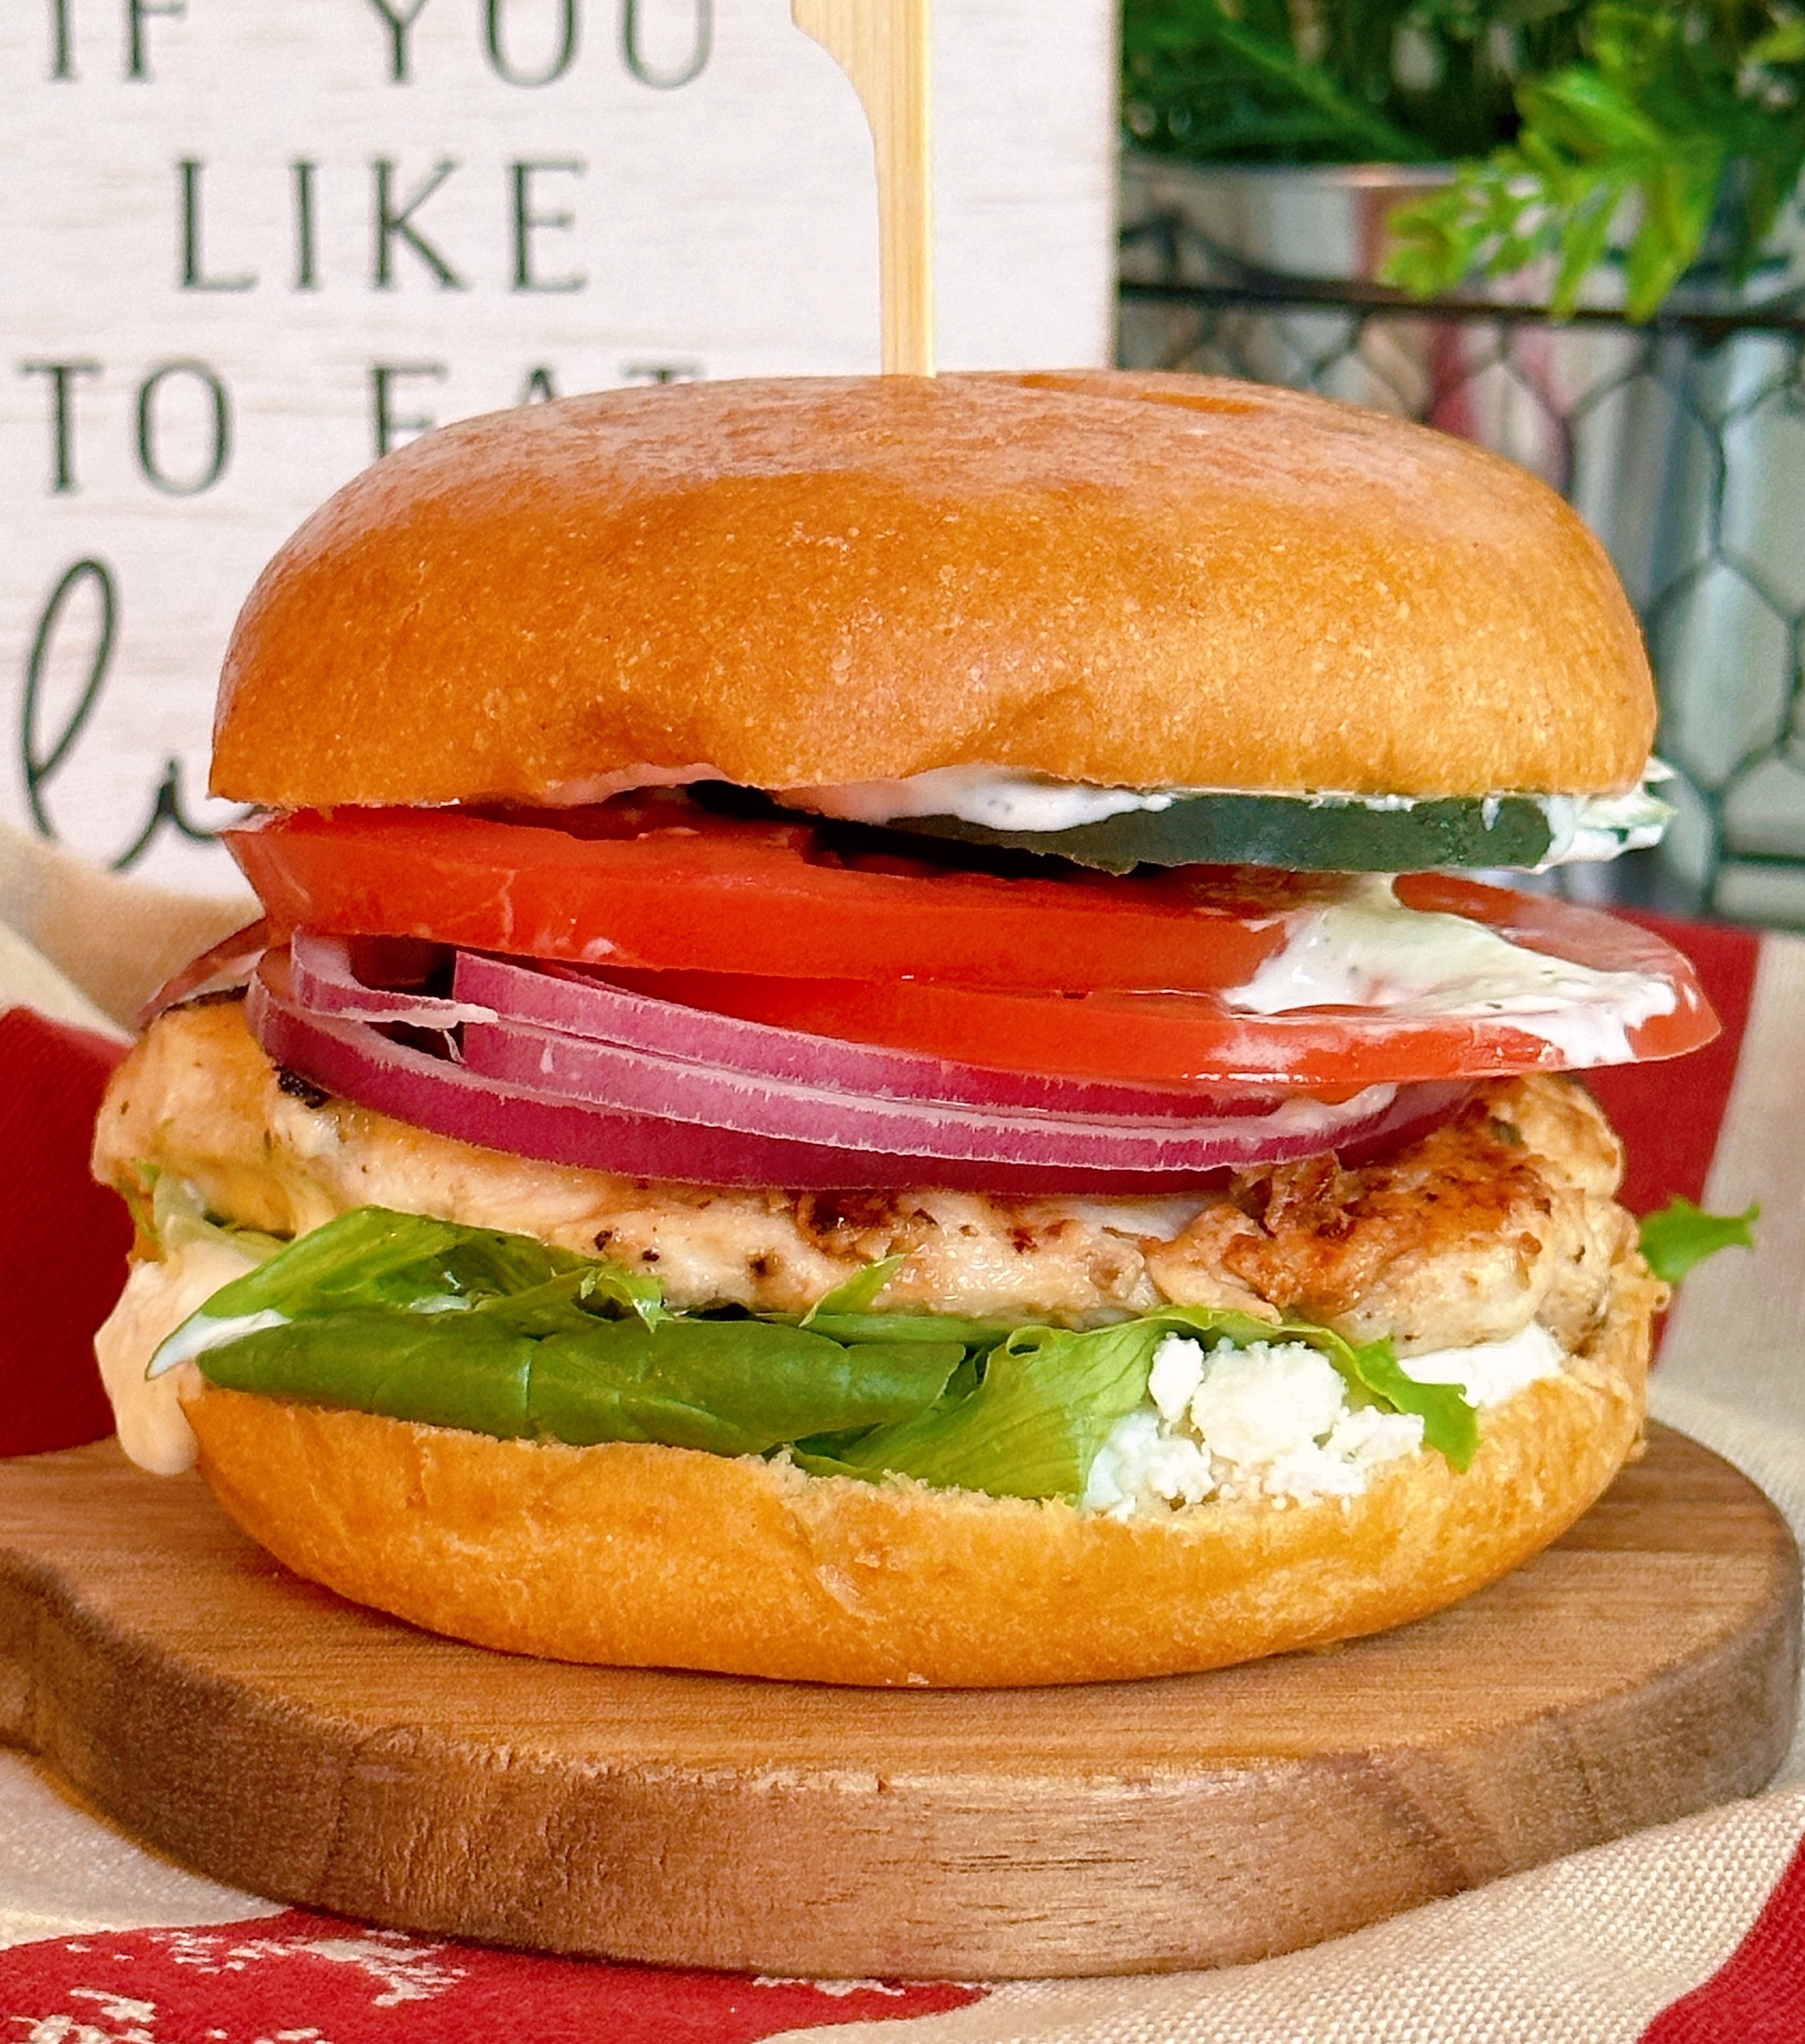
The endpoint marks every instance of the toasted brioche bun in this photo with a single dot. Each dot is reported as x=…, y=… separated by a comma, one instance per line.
x=640, y=1556
x=1119, y=579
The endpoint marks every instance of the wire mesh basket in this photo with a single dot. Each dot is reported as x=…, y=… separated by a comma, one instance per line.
x=1681, y=442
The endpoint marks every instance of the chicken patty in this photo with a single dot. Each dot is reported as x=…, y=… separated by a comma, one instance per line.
x=1503, y=1214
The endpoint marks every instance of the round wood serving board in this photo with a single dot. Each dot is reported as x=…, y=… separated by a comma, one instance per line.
x=275, y=1737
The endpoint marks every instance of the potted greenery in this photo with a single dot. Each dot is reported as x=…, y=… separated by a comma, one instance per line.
x=1649, y=137
x=1633, y=167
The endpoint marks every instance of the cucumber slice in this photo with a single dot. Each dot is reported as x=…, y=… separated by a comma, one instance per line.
x=1307, y=834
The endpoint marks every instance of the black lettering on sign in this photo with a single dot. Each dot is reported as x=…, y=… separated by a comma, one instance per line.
x=527, y=221
x=62, y=40
x=398, y=26
x=306, y=232
x=562, y=57
x=216, y=437
x=193, y=276
x=392, y=226
x=43, y=757
x=41, y=761
x=137, y=13
x=62, y=376
x=166, y=808
x=661, y=372
x=702, y=43
x=383, y=376
x=538, y=388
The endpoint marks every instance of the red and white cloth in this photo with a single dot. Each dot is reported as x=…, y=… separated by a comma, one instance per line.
x=1694, y=1934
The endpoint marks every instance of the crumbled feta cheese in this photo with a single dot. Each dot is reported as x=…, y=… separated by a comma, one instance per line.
x=1177, y=1370
x=1267, y=1402
x=1272, y=1419
x=1340, y=1465
x=1115, y=1478
x=1139, y=1460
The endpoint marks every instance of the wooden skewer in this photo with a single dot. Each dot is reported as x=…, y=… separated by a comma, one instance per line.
x=882, y=46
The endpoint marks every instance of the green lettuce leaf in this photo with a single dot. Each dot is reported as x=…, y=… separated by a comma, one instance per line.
x=1682, y=1235
x=427, y=1320
x=1048, y=1397
x=1449, y=1424
x=423, y=1320
x=731, y=1387
x=390, y=1360
x=373, y=1256
x=1031, y=1426
x=857, y=1292
x=974, y=1334
x=178, y=1218
x=735, y=1387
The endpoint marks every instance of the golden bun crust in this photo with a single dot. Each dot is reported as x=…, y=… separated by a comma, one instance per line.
x=1116, y=578
x=640, y=1557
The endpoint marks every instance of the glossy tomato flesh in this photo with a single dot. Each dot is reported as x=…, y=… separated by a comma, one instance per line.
x=649, y=885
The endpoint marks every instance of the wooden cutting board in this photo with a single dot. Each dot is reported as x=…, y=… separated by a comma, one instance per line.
x=272, y=1736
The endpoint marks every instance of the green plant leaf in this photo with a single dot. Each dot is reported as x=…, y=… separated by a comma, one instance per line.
x=1682, y=1236
x=373, y=1256
x=1679, y=135
x=636, y=1292
x=176, y=1218
x=1265, y=81
x=1450, y=1426
x=1782, y=44
x=857, y=1292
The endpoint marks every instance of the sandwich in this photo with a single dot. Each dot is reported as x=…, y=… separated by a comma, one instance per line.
x=880, y=1050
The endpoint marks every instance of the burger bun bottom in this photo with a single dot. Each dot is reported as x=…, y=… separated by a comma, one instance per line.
x=638, y=1556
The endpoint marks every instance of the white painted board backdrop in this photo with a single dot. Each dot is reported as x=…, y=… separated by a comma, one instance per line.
x=246, y=242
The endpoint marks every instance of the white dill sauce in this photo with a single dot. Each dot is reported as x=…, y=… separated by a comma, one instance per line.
x=1368, y=950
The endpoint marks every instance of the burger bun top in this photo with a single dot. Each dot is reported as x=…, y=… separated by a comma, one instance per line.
x=1120, y=580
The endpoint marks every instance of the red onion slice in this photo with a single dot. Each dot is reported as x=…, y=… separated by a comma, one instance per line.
x=323, y=978
x=222, y=968
x=574, y=1003
x=642, y=1082
x=354, y=1060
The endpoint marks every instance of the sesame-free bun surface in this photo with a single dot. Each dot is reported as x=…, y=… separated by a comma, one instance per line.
x=638, y=1556
x=1136, y=579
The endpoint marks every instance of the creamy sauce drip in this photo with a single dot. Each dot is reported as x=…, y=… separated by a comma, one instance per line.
x=1489, y=1374
x=157, y=1299
x=1370, y=951
x=204, y=1332
x=990, y=796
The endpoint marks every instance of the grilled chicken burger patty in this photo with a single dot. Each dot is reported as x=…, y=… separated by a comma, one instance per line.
x=1503, y=1215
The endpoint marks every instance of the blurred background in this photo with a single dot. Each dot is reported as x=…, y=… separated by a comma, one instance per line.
x=1569, y=230
x=252, y=246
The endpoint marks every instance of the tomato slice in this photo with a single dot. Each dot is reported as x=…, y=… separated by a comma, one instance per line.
x=1198, y=1039
x=1043, y=975
x=660, y=884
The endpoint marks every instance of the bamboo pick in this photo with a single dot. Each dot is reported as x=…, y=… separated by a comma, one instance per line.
x=882, y=46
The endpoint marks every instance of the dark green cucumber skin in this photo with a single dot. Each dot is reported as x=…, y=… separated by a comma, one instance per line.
x=1305, y=835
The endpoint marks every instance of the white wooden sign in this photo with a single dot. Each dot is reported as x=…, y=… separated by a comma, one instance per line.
x=249, y=245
